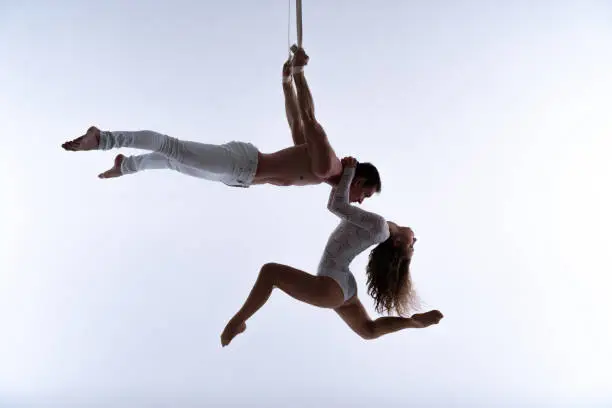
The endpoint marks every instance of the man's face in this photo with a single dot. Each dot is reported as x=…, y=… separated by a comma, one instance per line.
x=359, y=192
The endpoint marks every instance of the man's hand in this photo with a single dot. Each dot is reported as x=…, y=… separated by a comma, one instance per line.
x=349, y=162
x=300, y=58
x=305, y=102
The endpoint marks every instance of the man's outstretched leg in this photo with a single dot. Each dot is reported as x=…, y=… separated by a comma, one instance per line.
x=91, y=141
x=152, y=161
x=233, y=163
x=95, y=139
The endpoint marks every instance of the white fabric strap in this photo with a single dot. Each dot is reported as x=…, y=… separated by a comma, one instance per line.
x=298, y=21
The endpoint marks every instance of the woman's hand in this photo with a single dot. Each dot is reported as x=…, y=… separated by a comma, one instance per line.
x=349, y=162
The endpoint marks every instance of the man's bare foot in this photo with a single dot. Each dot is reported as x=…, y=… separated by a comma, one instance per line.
x=231, y=330
x=89, y=141
x=428, y=318
x=115, y=171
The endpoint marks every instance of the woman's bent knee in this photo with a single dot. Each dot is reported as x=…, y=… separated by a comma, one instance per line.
x=269, y=269
x=368, y=331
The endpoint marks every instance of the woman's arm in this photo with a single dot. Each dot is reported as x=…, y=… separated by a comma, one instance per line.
x=339, y=204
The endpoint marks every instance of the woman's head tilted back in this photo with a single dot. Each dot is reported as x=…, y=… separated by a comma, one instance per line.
x=388, y=272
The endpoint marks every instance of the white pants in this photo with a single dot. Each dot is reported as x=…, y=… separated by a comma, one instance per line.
x=233, y=163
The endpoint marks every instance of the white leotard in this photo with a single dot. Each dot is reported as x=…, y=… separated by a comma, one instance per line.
x=357, y=231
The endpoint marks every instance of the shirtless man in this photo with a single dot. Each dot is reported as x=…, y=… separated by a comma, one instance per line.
x=311, y=160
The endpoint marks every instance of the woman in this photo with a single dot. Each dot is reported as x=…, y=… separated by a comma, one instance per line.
x=334, y=287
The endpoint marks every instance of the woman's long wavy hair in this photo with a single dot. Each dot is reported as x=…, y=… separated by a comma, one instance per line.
x=388, y=278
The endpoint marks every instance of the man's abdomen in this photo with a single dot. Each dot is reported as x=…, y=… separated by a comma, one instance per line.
x=287, y=167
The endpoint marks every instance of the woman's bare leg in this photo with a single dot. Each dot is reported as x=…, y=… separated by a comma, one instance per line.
x=355, y=315
x=320, y=291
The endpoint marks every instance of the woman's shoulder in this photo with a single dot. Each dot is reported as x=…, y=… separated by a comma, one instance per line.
x=378, y=224
x=384, y=231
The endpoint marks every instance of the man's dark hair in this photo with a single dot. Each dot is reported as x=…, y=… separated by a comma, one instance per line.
x=369, y=173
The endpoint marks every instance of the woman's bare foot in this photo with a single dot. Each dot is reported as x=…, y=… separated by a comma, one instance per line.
x=232, y=330
x=115, y=171
x=89, y=141
x=428, y=318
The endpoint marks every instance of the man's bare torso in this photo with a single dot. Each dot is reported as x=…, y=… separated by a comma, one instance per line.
x=289, y=167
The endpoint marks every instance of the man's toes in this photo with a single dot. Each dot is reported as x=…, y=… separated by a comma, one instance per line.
x=109, y=174
x=73, y=144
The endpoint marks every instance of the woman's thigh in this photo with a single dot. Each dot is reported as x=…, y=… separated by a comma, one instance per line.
x=320, y=291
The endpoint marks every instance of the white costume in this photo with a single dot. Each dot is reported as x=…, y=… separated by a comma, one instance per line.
x=358, y=230
x=233, y=163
